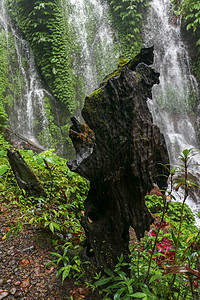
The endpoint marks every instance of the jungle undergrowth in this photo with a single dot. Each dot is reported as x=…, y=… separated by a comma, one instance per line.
x=164, y=264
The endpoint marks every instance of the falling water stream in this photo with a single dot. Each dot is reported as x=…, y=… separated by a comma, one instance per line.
x=28, y=103
x=96, y=51
x=174, y=98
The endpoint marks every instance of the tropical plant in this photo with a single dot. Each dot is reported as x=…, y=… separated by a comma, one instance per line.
x=128, y=17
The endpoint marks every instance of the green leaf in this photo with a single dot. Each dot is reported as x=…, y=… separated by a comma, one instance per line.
x=3, y=169
x=40, y=159
x=57, y=226
x=139, y=295
x=9, y=232
x=51, y=160
x=60, y=271
x=174, y=238
x=108, y=271
x=118, y=293
x=2, y=153
x=56, y=254
x=50, y=263
x=66, y=273
x=155, y=277
x=51, y=227
x=102, y=281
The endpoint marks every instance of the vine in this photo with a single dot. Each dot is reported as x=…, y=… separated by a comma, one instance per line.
x=128, y=18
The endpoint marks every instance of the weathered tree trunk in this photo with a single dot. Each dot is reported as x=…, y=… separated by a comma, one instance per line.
x=26, y=179
x=120, y=152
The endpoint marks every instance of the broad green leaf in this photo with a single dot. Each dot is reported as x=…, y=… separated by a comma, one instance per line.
x=2, y=153
x=108, y=271
x=3, y=169
x=102, y=281
x=51, y=227
x=118, y=293
x=40, y=159
x=51, y=160
x=66, y=273
x=139, y=295
x=186, y=152
x=57, y=226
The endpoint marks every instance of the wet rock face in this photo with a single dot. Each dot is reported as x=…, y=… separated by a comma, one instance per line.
x=120, y=152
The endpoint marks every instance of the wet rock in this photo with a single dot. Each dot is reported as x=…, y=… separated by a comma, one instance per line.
x=13, y=291
x=4, y=295
x=1, y=282
x=18, y=294
x=9, y=281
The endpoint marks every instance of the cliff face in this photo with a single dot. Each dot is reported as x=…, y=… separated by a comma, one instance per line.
x=119, y=151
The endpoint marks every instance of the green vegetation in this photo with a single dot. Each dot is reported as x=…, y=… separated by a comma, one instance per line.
x=163, y=263
x=128, y=19
x=10, y=88
x=66, y=191
x=45, y=29
x=190, y=11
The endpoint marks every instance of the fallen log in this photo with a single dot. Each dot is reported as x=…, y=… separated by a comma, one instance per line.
x=25, y=177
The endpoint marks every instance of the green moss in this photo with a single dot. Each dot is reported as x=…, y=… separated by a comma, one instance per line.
x=97, y=94
x=4, y=78
x=45, y=27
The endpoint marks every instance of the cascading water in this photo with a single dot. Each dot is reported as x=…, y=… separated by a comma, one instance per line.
x=175, y=97
x=27, y=115
x=95, y=51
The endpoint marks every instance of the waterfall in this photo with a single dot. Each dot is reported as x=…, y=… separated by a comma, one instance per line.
x=174, y=99
x=27, y=114
x=95, y=52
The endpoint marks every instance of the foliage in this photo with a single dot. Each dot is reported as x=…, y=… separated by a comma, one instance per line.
x=172, y=249
x=70, y=267
x=128, y=17
x=7, y=88
x=190, y=11
x=61, y=210
x=162, y=264
x=156, y=204
x=43, y=25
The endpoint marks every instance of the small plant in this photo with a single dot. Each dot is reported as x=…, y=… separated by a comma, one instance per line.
x=69, y=267
x=120, y=285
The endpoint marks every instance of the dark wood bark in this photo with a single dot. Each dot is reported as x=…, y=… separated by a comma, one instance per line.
x=120, y=152
x=25, y=177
